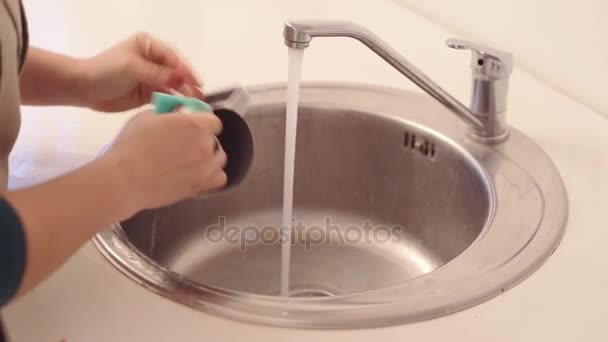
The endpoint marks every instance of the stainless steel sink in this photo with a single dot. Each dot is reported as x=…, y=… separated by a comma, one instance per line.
x=400, y=217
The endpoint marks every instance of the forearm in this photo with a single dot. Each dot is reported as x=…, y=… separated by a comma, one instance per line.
x=50, y=78
x=62, y=214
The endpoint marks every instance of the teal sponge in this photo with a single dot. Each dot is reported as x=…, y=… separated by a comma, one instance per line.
x=165, y=103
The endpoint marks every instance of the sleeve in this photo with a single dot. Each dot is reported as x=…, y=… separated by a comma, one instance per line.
x=12, y=252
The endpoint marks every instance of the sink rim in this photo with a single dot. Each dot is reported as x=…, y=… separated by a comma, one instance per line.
x=384, y=306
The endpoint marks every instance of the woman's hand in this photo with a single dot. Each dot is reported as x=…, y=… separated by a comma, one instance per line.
x=164, y=159
x=124, y=76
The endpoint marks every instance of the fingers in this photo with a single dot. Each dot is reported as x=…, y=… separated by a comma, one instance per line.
x=155, y=75
x=209, y=122
x=209, y=161
x=191, y=91
x=214, y=177
x=156, y=52
x=209, y=173
x=219, y=159
x=216, y=181
x=153, y=50
x=185, y=69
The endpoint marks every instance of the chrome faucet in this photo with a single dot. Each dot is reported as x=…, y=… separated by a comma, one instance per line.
x=491, y=70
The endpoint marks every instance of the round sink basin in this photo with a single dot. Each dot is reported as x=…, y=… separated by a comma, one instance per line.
x=392, y=212
x=398, y=217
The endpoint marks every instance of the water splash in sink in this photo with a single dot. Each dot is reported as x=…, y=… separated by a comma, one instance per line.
x=291, y=123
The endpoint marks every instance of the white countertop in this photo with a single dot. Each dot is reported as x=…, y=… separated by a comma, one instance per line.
x=239, y=41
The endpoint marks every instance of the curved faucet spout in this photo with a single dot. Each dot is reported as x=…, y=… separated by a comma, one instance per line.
x=299, y=33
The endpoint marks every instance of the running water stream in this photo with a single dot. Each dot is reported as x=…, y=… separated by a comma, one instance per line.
x=291, y=124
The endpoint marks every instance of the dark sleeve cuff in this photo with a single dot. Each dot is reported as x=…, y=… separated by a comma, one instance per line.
x=12, y=252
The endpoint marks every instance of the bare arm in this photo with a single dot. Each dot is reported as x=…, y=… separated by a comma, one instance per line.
x=50, y=78
x=59, y=216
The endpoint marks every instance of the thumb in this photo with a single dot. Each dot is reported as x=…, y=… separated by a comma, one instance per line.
x=157, y=75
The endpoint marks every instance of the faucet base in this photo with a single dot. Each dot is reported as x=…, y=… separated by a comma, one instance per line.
x=488, y=140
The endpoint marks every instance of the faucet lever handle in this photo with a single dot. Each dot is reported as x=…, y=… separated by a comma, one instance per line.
x=486, y=61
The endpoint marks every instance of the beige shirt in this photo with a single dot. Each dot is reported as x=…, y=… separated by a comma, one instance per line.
x=13, y=38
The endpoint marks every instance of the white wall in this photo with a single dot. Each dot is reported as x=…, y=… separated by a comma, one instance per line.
x=562, y=42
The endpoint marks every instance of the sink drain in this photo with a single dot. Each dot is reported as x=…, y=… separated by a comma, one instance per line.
x=310, y=293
